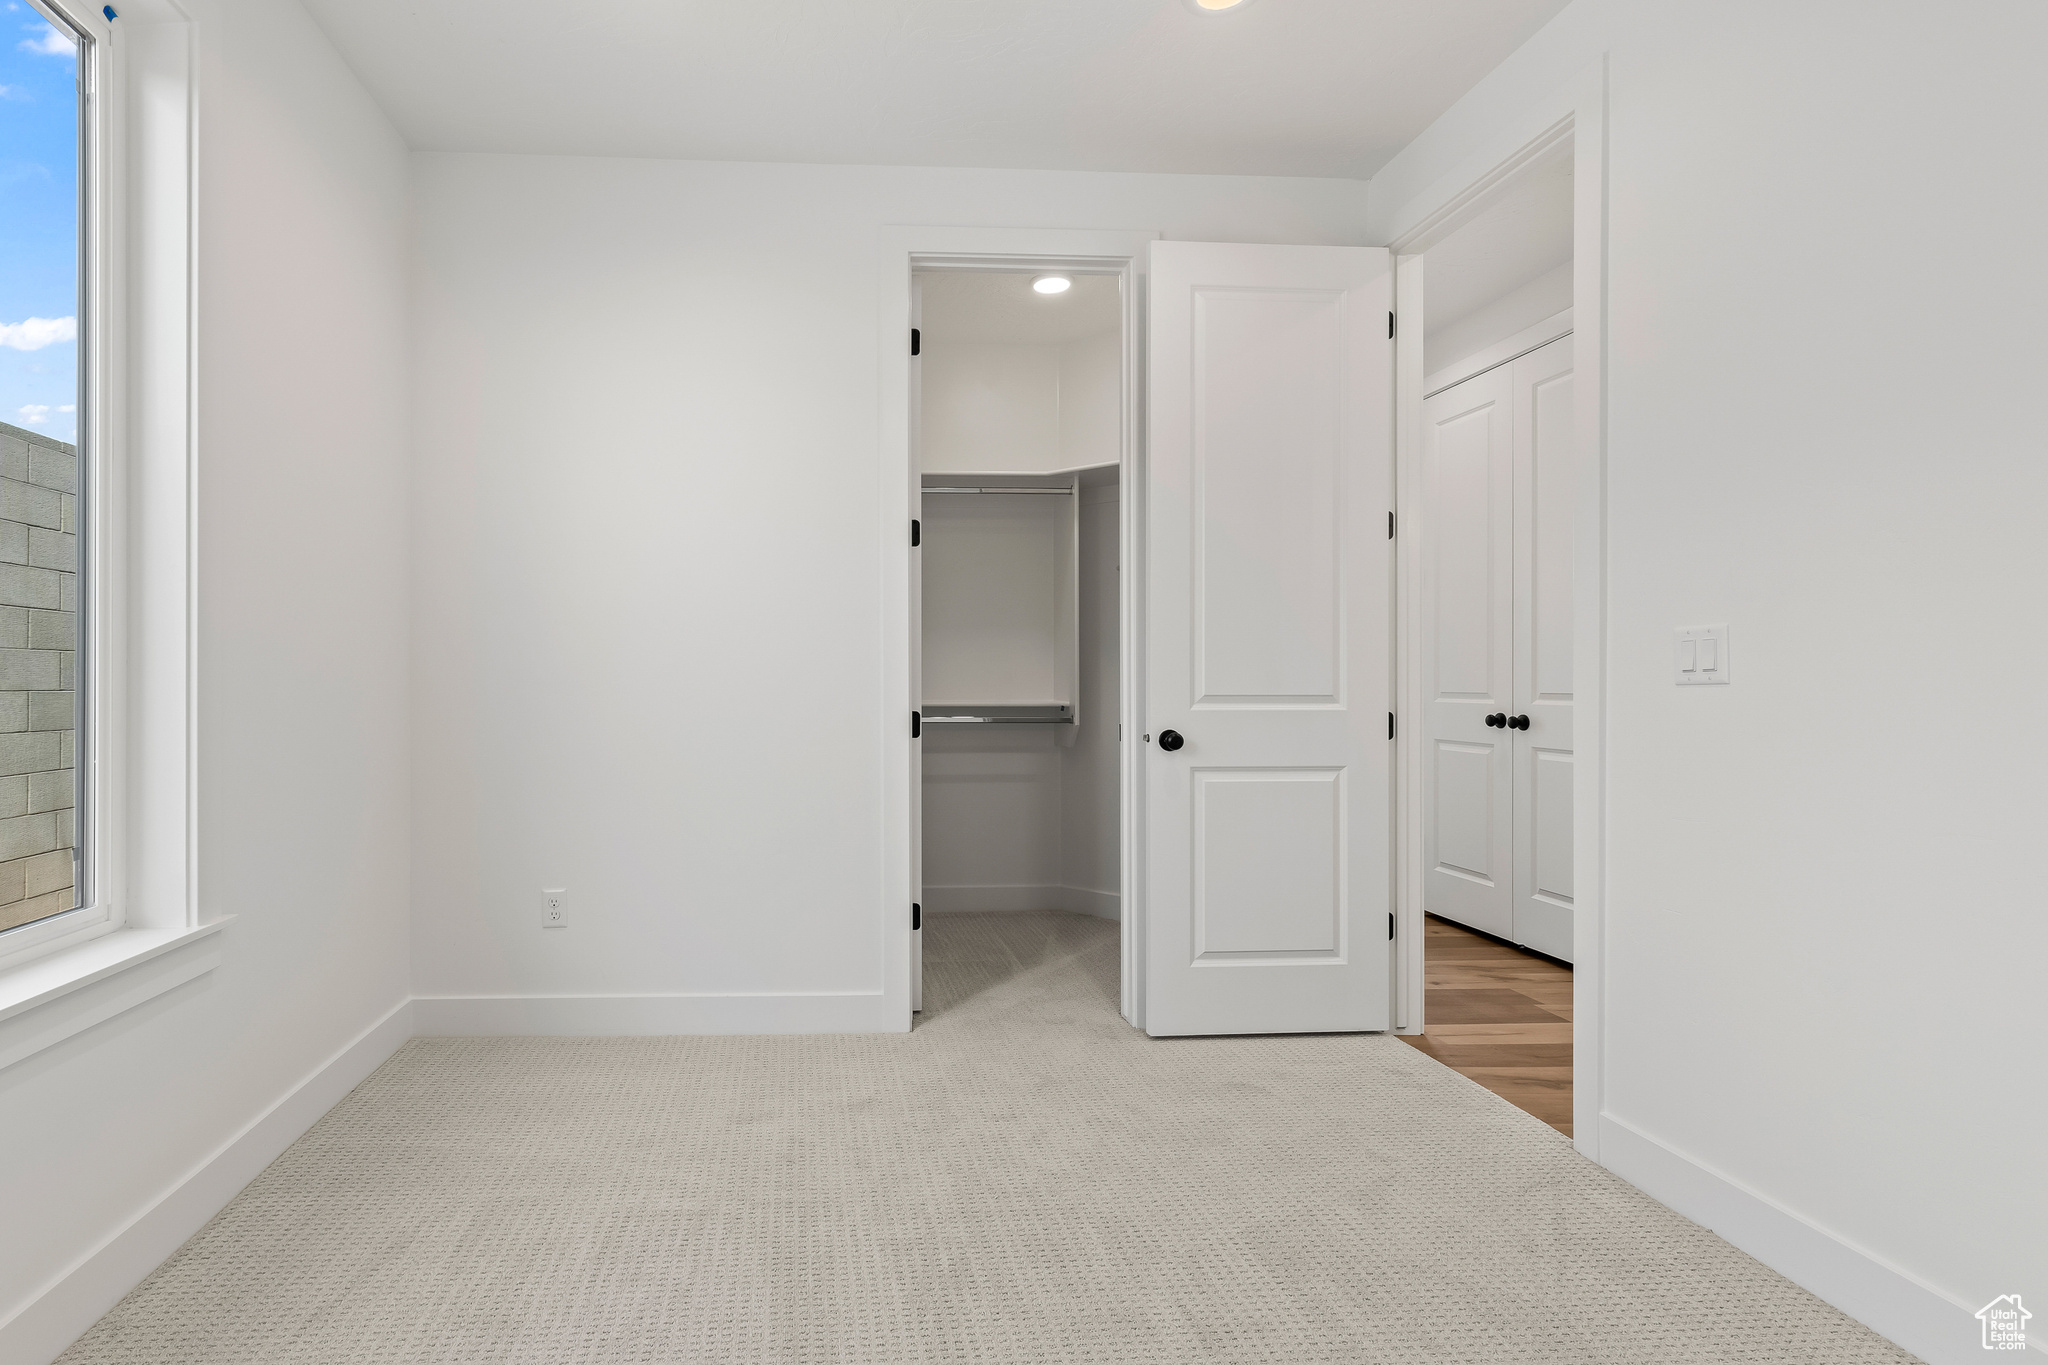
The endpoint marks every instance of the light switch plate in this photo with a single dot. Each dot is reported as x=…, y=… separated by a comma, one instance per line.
x=1702, y=656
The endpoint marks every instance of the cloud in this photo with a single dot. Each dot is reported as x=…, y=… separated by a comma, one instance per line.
x=35, y=412
x=48, y=41
x=36, y=333
x=12, y=92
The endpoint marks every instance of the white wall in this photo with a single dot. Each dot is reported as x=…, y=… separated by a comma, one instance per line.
x=1026, y=817
x=1519, y=308
x=302, y=657
x=648, y=577
x=1091, y=863
x=1091, y=401
x=993, y=407
x=992, y=818
x=1827, y=296
x=995, y=569
x=990, y=406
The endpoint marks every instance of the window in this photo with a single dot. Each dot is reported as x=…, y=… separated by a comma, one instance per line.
x=46, y=248
x=99, y=905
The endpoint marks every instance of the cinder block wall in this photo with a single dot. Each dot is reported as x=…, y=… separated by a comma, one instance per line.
x=38, y=668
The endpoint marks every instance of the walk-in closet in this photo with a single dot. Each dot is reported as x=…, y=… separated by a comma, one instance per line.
x=1018, y=404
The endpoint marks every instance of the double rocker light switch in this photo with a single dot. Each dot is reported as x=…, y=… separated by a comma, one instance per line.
x=1702, y=655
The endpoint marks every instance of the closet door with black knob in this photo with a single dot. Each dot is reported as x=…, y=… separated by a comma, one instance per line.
x=1468, y=654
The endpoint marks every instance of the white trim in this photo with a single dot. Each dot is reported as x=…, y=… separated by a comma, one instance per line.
x=618, y=1016
x=1132, y=492
x=78, y=1295
x=1537, y=137
x=1408, y=967
x=44, y=1002
x=1571, y=123
x=903, y=249
x=1558, y=324
x=1588, y=97
x=159, y=479
x=1892, y=1302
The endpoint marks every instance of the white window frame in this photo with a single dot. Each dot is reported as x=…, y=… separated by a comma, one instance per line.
x=137, y=457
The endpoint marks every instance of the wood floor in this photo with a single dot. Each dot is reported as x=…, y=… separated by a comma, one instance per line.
x=1500, y=1016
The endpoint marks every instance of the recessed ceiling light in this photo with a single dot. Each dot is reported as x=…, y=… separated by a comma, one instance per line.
x=1215, y=6
x=1052, y=284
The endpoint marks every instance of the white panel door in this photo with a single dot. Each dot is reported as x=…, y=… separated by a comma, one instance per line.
x=1468, y=653
x=1269, y=589
x=1544, y=478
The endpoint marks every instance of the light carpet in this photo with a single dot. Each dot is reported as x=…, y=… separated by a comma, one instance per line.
x=1023, y=1178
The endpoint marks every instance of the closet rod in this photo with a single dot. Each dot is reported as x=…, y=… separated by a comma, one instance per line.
x=1000, y=490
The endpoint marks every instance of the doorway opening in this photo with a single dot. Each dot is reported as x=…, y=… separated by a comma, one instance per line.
x=1497, y=480
x=1254, y=647
x=1018, y=426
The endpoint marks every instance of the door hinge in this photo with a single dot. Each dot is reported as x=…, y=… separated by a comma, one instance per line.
x=916, y=341
x=916, y=915
x=1390, y=326
x=1390, y=725
x=916, y=724
x=916, y=533
x=1390, y=926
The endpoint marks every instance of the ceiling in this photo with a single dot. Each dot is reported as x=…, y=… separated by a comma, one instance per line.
x=978, y=306
x=1521, y=235
x=1278, y=87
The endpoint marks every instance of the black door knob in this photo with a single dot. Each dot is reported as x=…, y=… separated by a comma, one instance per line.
x=1518, y=722
x=1498, y=720
x=1170, y=740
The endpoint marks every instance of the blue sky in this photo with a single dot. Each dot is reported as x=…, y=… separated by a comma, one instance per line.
x=38, y=224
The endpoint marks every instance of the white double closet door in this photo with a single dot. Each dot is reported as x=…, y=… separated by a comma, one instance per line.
x=1498, y=651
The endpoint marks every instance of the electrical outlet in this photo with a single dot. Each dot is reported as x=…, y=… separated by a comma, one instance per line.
x=554, y=909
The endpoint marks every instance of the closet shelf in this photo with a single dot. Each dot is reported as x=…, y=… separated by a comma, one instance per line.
x=965, y=713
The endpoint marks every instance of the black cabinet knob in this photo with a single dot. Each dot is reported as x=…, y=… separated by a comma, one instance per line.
x=1498, y=720
x=1170, y=740
x=1518, y=722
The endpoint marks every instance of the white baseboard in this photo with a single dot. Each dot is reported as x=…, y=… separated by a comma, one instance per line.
x=1080, y=900
x=1888, y=1300
x=945, y=900
x=79, y=1295
x=618, y=1016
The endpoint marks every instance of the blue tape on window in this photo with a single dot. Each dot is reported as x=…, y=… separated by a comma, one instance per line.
x=108, y=10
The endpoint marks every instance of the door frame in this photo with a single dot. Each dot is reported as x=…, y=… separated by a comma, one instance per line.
x=1571, y=123
x=904, y=250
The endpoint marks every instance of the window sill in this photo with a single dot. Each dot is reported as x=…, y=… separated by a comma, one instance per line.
x=48, y=1000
